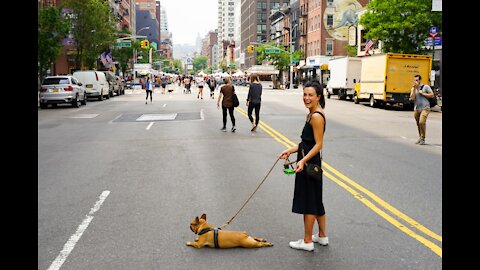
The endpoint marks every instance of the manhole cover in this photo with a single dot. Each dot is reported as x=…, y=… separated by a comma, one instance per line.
x=157, y=117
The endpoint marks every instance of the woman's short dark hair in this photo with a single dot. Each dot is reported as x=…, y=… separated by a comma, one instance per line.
x=253, y=77
x=318, y=90
x=418, y=76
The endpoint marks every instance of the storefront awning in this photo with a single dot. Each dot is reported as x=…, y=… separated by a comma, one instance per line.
x=263, y=70
x=309, y=67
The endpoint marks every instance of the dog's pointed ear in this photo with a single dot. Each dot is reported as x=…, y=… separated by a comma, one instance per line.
x=197, y=220
x=204, y=216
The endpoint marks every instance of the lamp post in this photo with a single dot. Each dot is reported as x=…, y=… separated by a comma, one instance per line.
x=291, y=48
x=135, y=50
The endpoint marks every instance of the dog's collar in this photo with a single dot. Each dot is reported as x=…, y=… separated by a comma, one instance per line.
x=215, y=234
x=205, y=231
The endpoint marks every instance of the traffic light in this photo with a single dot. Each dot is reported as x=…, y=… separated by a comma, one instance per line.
x=145, y=43
x=250, y=48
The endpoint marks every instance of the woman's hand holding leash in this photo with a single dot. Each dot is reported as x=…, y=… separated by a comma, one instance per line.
x=285, y=154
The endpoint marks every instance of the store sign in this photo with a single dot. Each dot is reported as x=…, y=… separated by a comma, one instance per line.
x=352, y=35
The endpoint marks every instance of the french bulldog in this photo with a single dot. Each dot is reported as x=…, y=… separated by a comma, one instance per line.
x=218, y=238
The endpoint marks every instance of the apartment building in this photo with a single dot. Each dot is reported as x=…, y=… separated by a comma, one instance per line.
x=255, y=24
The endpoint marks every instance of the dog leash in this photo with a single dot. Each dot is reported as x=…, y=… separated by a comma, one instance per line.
x=228, y=222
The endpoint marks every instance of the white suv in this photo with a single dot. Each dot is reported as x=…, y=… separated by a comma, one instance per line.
x=62, y=89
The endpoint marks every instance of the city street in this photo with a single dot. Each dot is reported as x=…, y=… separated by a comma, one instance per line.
x=119, y=182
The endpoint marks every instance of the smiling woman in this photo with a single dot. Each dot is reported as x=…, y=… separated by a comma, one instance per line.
x=308, y=192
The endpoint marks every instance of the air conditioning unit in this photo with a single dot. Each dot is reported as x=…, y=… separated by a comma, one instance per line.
x=329, y=26
x=329, y=53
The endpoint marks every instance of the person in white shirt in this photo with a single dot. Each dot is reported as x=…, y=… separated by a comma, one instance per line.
x=200, y=83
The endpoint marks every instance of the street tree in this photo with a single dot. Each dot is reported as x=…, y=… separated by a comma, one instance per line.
x=177, y=63
x=280, y=60
x=93, y=29
x=52, y=28
x=123, y=56
x=223, y=64
x=199, y=63
x=402, y=26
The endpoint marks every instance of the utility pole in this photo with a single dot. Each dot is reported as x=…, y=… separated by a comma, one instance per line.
x=291, y=47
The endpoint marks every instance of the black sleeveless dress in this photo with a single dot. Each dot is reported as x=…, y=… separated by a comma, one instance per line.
x=307, y=195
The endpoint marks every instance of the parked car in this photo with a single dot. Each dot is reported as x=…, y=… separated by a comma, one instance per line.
x=62, y=89
x=112, y=82
x=95, y=83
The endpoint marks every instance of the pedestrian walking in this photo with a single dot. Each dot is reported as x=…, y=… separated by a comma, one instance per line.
x=226, y=94
x=254, y=100
x=307, y=196
x=163, y=80
x=187, y=83
x=212, y=84
x=200, y=82
x=419, y=94
x=149, y=89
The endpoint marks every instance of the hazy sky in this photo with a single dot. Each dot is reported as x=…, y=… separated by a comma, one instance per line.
x=187, y=18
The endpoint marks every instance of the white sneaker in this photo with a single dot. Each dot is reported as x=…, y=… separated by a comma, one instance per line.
x=302, y=245
x=321, y=240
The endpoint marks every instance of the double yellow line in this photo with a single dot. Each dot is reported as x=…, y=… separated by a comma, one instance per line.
x=365, y=196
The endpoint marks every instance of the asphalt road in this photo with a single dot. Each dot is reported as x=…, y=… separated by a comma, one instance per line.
x=118, y=193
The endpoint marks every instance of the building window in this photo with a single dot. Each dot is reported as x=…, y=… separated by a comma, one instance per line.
x=329, y=3
x=329, y=20
x=329, y=47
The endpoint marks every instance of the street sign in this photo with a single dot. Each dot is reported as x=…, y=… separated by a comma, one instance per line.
x=433, y=31
x=272, y=50
x=438, y=41
x=123, y=44
x=352, y=35
x=295, y=60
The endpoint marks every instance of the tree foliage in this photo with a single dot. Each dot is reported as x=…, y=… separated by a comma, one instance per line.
x=280, y=60
x=199, y=63
x=402, y=25
x=93, y=29
x=52, y=28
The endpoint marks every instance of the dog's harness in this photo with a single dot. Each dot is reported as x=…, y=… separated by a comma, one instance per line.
x=215, y=235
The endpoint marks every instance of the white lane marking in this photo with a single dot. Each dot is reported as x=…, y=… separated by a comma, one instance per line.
x=111, y=121
x=85, y=115
x=201, y=114
x=68, y=247
x=403, y=137
x=150, y=125
x=164, y=105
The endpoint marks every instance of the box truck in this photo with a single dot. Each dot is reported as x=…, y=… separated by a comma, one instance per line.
x=344, y=74
x=388, y=78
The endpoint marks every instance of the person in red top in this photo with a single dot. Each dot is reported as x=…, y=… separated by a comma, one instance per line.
x=226, y=94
